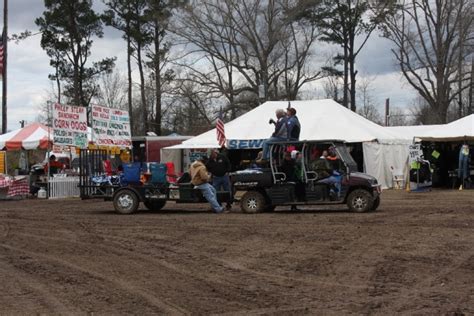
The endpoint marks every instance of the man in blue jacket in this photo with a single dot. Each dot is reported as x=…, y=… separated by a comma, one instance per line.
x=280, y=133
x=294, y=126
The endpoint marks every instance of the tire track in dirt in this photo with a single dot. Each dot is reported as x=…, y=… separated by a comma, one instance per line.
x=21, y=282
x=224, y=273
x=120, y=283
x=219, y=278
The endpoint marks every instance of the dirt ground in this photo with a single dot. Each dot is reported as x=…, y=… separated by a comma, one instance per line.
x=415, y=255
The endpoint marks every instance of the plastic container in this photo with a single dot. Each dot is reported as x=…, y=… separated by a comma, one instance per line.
x=42, y=194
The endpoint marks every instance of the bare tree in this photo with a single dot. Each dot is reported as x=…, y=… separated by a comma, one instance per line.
x=240, y=47
x=432, y=39
x=112, y=91
x=367, y=104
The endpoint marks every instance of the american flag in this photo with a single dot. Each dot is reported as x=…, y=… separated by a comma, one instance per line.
x=1, y=54
x=220, y=130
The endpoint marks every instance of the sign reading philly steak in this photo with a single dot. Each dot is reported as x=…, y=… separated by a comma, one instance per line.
x=111, y=127
x=69, y=125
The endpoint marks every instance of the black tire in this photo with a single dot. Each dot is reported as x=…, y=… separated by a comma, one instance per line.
x=155, y=205
x=126, y=202
x=376, y=203
x=360, y=201
x=252, y=202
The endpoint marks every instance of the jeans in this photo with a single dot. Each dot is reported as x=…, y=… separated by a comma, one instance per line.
x=210, y=195
x=463, y=171
x=266, y=146
x=222, y=183
x=334, y=179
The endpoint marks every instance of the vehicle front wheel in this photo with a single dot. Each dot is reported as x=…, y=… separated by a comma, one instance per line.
x=155, y=205
x=126, y=202
x=360, y=201
x=376, y=203
x=252, y=202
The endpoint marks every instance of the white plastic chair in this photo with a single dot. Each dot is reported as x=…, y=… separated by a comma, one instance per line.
x=398, y=179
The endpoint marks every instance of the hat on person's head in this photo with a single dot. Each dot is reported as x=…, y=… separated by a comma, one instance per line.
x=292, y=111
x=294, y=153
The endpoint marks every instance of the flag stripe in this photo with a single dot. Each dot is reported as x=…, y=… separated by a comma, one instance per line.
x=221, y=139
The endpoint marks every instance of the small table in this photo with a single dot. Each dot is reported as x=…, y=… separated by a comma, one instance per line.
x=17, y=186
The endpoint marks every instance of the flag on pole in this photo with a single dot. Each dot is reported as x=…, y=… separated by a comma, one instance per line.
x=220, y=130
x=2, y=62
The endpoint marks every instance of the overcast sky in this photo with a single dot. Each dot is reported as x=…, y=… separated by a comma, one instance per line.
x=28, y=65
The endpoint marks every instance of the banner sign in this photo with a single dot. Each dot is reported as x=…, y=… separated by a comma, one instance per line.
x=69, y=125
x=111, y=127
x=414, y=153
x=244, y=143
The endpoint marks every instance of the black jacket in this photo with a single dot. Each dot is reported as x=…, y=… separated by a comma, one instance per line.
x=220, y=166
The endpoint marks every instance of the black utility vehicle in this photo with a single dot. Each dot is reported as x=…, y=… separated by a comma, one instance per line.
x=297, y=179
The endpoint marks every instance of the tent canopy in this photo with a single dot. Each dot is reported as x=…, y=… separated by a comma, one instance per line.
x=320, y=120
x=33, y=136
x=459, y=130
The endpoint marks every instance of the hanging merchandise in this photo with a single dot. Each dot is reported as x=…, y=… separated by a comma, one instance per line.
x=463, y=167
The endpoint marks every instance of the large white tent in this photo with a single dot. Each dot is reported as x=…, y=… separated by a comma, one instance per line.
x=320, y=120
x=459, y=130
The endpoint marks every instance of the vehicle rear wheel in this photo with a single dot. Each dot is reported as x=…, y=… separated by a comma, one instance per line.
x=252, y=202
x=376, y=203
x=155, y=205
x=126, y=202
x=360, y=201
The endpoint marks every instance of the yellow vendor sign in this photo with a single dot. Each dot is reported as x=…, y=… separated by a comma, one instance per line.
x=3, y=160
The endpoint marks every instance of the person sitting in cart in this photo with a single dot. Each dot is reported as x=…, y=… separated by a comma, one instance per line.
x=324, y=167
x=200, y=179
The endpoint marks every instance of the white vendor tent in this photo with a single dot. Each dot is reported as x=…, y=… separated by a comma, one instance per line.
x=320, y=120
x=459, y=130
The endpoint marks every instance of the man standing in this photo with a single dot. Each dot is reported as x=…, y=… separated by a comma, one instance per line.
x=294, y=126
x=280, y=133
x=219, y=166
x=200, y=179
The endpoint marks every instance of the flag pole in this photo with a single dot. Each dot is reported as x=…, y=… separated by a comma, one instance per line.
x=4, y=68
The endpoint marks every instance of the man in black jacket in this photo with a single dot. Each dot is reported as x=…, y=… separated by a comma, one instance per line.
x=219, y=166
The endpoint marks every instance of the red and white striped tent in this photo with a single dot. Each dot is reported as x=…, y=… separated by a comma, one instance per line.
x=33, y=136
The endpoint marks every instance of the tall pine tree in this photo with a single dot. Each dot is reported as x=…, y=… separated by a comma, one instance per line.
x=67, y=28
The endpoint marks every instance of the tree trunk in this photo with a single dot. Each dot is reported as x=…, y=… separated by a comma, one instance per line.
x=345, y=97
x=142, y=87
x=157, y=80
x=129, y=75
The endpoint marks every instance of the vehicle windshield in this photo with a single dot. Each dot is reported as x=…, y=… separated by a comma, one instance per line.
x=343, y=151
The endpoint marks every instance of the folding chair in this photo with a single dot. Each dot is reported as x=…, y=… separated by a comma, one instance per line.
x=131, y=173
x=158, y=173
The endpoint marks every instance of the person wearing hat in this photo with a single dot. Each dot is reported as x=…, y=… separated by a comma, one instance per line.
x=200, y=179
